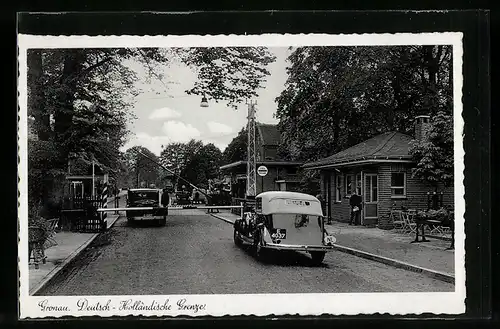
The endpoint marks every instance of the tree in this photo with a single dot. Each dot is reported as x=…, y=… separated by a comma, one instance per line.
x=434, y=154
x=176, y=156
x=232, y=74
x=203, y=166
x=336, y=97
x=142, y=168
x=79, y=98
x=237, y=149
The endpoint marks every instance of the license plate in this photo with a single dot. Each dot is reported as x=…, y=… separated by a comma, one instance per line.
x=278, y=233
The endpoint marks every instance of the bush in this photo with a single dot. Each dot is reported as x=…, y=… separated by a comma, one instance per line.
x=440, y=215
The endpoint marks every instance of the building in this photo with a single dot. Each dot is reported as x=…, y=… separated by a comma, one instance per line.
x=282, y=175
x=85, y=180
x=380, y=170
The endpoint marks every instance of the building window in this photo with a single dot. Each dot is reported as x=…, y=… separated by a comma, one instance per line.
x=398, y=184
x=338, y=184
x=358, y=184
x=349, y=185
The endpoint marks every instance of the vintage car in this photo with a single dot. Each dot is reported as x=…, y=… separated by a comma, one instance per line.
x=284, y=220
x=146, y=198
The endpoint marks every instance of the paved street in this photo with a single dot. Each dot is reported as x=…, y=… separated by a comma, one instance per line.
x=195, y=254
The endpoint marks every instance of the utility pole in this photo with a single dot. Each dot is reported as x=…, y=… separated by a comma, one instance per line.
x=251, y=157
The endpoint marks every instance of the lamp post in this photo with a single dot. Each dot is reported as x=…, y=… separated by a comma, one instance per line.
x=251, y=155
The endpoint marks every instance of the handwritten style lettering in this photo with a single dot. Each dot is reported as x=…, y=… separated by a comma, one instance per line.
x=184, y=306
x=84, y=305
x=46, y=307
x=139, y=305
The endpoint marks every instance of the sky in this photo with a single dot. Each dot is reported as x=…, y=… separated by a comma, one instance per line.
x=165, y=113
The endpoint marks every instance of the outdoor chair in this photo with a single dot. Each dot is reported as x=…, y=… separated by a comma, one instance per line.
x=409, y=222
x=397, y=220
x=41, y=237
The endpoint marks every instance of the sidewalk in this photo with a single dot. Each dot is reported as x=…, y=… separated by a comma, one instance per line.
x=390, y=248
x=69, y=245
x=430, y=255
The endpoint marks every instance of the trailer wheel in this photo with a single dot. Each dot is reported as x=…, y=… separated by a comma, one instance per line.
x=318, y=257
x=130, y=222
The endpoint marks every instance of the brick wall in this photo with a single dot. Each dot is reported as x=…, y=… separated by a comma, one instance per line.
x=416, y=194
x=340, y=211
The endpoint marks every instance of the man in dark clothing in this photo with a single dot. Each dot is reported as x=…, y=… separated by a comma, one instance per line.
x=355, y=202
x=165, y=200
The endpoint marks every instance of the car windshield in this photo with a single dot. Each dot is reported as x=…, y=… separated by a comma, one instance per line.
x=143, y=197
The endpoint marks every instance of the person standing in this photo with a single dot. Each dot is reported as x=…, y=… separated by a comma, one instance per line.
x=165, y=200
x=355, y=203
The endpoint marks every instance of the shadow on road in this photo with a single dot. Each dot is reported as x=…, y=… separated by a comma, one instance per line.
x=285, y=258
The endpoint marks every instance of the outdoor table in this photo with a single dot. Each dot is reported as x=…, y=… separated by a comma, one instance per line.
x=421, y=224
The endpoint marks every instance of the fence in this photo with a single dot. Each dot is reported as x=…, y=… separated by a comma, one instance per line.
x=81, y=215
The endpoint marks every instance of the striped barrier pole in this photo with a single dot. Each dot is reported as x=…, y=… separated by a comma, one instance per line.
x=104, y=201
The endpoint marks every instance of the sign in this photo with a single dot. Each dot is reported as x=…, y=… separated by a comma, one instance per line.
x=301, y=203
x=262, y=171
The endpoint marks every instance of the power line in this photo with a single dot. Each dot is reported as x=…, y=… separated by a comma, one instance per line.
x=170, y=171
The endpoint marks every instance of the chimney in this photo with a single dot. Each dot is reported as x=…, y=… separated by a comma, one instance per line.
x=422, y=126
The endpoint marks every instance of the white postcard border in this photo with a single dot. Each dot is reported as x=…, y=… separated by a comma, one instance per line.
x=250, y=304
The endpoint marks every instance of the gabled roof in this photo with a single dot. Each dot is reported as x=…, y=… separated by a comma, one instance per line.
x=387, y=146
x=268, y=134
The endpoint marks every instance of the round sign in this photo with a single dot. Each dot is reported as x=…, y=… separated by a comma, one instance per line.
x=262, y=171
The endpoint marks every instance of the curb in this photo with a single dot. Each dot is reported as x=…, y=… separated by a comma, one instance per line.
x=398, y=264
x=67, y=261
x=384, y=260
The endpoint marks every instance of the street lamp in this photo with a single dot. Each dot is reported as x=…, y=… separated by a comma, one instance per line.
x=204, y=102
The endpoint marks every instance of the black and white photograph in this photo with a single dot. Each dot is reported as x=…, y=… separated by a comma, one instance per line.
x=241, y=175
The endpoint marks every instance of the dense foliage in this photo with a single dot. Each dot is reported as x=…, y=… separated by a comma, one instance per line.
x=232, y=74
x=79, y=100
x=141, y=167
x=193, y=161
x=336, y=97
x=434, y=155
x=237, y=148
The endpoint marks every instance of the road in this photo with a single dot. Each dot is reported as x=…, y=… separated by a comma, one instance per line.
x=195, y=254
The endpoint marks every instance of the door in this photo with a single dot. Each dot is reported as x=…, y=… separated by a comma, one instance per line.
x=370, y=196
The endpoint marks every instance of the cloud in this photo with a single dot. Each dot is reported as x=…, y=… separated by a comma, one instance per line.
x=164, y=113
x=174, y=131
x=221, y=145
x=152, y=143
x=220, y=128
x=177, y=131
